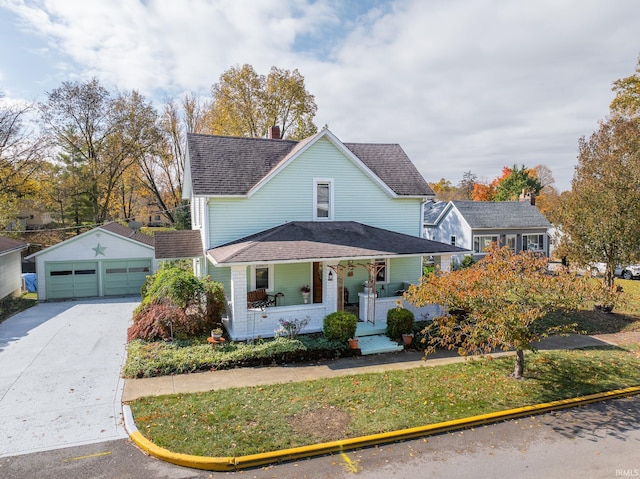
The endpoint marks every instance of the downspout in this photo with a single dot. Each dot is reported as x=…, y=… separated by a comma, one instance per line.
x=205, y=237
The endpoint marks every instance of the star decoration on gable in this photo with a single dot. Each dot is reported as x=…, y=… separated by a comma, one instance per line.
x=99, y=250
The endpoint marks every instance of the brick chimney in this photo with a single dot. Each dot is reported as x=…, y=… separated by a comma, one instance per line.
x=274, y=132
x=528, y=196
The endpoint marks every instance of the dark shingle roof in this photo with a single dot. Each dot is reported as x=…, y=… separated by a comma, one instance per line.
x=127, y=232
x=305, y=240
x=10, y=244
x=433, y=210
x=392, y=165
x=178, y=244
x=223, y=165
x=501, y=214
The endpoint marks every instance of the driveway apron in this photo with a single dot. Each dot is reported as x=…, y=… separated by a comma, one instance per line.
x=60, y=366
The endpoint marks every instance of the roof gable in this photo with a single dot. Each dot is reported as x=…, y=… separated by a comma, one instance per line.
x=112, y=228
x=232, y=166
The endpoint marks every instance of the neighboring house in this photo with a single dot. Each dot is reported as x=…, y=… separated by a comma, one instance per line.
x=280, y=215
x=474, y=225
x=10, y=266
x=110, y=260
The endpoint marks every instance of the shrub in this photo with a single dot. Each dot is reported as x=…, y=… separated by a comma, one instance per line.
x=340, y=326
x=467, y=261
x=399, y=322
x=177, y=304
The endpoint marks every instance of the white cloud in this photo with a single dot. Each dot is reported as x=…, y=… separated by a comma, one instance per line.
x=461, y=85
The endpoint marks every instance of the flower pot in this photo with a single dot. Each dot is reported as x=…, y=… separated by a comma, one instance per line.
x=305, y=297
x=353, y=343
x=216, y=334
x=407, y=339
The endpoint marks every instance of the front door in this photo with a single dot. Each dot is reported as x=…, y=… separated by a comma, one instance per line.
x=317, y=282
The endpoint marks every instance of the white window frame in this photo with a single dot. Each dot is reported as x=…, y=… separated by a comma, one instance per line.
x=525, y=241
x=317, y=182
x=494, y=239
x=269, y=267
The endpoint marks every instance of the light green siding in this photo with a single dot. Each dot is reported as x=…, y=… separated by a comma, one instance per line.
x=288, y=196
x=221, y=275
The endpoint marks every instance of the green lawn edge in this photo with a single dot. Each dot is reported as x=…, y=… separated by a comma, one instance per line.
x=252, y=420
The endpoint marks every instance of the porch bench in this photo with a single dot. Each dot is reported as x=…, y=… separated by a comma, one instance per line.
x=259, y=298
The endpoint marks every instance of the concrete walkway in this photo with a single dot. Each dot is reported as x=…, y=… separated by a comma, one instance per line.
x=60, y=366
x=240, y=377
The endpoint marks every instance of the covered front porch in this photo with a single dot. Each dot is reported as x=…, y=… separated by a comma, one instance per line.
x=341, y=263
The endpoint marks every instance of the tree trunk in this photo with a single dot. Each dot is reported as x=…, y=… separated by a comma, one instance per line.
x=518, y=371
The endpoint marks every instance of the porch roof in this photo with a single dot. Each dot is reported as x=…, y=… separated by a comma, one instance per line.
x=321, y=241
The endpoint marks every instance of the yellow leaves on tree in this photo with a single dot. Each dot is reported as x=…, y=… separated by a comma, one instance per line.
x=499, y=302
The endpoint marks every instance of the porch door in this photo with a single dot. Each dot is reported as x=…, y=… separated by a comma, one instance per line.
x=317, y=282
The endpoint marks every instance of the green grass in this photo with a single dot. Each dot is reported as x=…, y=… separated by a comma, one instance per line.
x=624, y=318
x=251, y=420
x=12, y=305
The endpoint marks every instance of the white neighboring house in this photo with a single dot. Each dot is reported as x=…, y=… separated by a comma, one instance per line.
x=474, y=225
x=10, y=266
x=110, y=260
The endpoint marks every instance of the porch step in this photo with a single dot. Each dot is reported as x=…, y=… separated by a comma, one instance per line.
x=367, y=329
x=376, y=344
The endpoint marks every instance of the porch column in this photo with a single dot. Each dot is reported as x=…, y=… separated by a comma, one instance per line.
x=445, y=262
x=239, y=301
x=330, y=288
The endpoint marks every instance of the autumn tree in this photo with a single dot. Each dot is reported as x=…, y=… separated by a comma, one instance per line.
x=627, y=90
x=21, y=154
x=514, y=181
x=499, y=303
x=106, y=133
x=247, y=104
x=444, y=190
x=599, y=216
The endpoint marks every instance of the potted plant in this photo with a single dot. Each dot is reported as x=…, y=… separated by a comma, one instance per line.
x=400, y=325
x=305, y=290
x=216, y=333
x=353, y=343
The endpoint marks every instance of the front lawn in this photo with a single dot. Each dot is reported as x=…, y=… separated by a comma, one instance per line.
x=242, y=421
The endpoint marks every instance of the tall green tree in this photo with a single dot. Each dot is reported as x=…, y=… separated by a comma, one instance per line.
x=599, y=216
x=511, y=185
x=247, y=104
x=106, y=133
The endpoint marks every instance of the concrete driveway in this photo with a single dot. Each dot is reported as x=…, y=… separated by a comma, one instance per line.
x=60, y=381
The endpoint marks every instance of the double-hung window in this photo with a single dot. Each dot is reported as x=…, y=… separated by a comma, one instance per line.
x=533, y=242
x=262, y=277
x=323, y=199
x=381, y=270
x=482, y=243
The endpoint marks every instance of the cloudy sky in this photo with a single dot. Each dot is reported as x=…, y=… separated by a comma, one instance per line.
x=462, y=85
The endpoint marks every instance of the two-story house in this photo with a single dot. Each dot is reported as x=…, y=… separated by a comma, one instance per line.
x=283, y=215
x=475, y=225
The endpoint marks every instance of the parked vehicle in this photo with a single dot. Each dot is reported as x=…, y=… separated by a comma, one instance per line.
x=631, y=271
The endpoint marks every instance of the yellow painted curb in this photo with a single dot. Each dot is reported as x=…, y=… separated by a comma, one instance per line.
x=254, y=460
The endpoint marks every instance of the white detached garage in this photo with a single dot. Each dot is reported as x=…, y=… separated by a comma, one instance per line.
x=110, y=260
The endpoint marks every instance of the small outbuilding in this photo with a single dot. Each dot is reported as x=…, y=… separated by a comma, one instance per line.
x=110, y=260
x=10, y=266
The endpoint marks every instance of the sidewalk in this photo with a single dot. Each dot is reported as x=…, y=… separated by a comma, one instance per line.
x=240, y=377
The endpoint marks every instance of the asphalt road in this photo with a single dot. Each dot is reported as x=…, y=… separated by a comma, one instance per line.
x=596, y=441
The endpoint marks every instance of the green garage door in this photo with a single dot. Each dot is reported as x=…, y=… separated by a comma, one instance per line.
x=124, y=277
x=78, y=279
